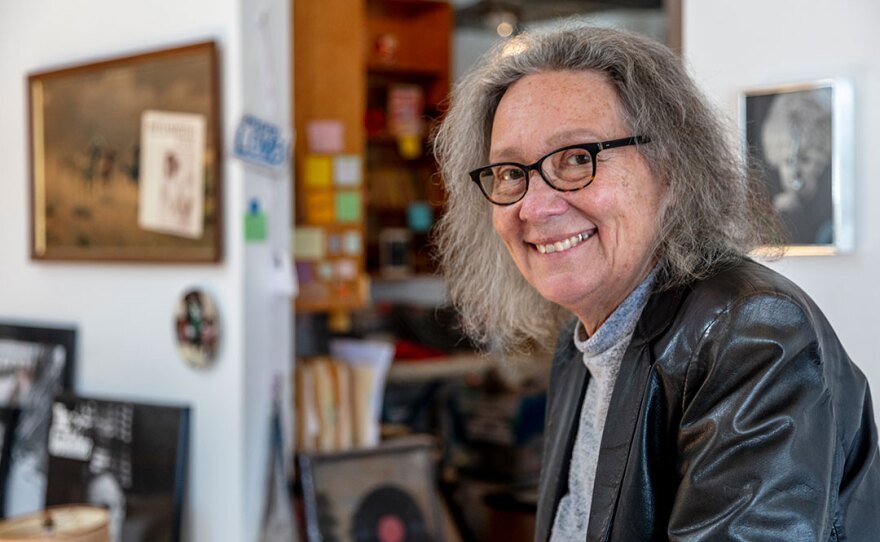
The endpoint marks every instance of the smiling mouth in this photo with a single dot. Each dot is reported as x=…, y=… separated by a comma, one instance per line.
x=565, y=244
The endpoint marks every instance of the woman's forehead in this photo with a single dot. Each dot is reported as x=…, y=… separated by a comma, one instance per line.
x=552, y=109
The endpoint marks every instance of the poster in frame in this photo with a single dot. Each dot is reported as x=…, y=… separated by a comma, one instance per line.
x=129, y=457
x=8, y=423
x=37, y=362
x=800, y=137
x=372, y=493
x=125, y=158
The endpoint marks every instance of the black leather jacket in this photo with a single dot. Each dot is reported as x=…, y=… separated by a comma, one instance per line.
x=737, y=415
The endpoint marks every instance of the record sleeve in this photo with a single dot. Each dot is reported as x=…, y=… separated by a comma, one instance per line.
x=383, y=494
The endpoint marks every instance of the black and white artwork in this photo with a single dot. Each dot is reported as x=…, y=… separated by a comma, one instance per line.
x=794, y=134
x=128, y=457
x=8, y=421
x=36, y=364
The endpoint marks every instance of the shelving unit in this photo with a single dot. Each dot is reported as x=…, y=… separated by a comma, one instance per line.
x=351, y=58
x=329, y=83
x=407, y=47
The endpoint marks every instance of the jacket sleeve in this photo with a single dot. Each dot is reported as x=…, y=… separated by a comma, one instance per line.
x=757, y=439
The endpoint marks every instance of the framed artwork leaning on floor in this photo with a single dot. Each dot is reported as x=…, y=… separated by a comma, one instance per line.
x=37, y=362
x=378, y=493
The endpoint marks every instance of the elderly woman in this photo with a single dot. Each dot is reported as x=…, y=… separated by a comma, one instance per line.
x=695, y=394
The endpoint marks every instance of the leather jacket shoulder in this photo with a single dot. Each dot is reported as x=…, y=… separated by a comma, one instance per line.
x=737, y=415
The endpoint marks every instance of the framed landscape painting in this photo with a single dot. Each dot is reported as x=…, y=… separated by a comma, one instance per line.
x=125, y=159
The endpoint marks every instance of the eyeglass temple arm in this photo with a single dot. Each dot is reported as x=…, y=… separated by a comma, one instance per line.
x=623, y=142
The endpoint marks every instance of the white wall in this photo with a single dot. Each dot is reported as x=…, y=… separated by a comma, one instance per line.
x=266, y=85
x=124, y=313
x=732, y=46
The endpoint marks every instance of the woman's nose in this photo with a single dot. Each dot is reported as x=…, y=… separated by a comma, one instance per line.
x=541, y=200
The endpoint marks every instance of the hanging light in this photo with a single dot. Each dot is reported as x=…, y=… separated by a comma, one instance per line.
x=502, y=21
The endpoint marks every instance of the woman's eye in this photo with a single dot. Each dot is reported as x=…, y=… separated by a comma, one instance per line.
x=577, y=158
x=509, y=174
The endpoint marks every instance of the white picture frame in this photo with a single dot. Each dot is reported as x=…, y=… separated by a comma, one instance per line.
x=800, y=137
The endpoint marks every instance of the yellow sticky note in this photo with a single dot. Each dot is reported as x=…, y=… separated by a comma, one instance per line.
x=319, y=207
x=348, y=206
x=308, y=243
x=319, y=171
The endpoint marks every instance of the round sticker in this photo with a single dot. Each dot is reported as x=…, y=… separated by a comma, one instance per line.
x=197, y=327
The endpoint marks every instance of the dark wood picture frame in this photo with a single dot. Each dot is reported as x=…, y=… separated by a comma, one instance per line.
x=85, y=126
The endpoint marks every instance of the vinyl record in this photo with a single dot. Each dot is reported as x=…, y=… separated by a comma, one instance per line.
x=389, y=514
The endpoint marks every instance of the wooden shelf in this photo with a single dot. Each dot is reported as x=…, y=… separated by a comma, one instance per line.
x=405, y=70
x=454, y=366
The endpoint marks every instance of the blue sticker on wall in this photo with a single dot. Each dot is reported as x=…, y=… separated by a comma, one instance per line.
x=261, y=142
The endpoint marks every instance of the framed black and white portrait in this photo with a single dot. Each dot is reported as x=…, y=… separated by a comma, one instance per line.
x=800, y=138
x=37, y=363
x=130, y=458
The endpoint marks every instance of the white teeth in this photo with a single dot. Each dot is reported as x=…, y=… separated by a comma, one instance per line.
x=565, y=244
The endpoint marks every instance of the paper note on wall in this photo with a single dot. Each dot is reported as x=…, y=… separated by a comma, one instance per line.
x=283, y=276
x=348, y=206
x=347, y=170
x=346, y=269
x=319, y=207
x=318, y=172
x=352, y=243
x=304, y=272
x=308, y=244
x=172, y=178
x=325, y=136
x=256, y=227
x=325, y=271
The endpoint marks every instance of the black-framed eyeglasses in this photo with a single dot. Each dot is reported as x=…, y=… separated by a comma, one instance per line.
x=567, y=169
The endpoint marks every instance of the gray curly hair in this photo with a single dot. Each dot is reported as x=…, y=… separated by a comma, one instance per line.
x=713, y=211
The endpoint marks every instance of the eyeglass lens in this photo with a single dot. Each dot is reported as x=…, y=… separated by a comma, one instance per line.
x=567, y=169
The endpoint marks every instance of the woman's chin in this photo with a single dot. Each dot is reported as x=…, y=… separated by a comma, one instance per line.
x=565, y=291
